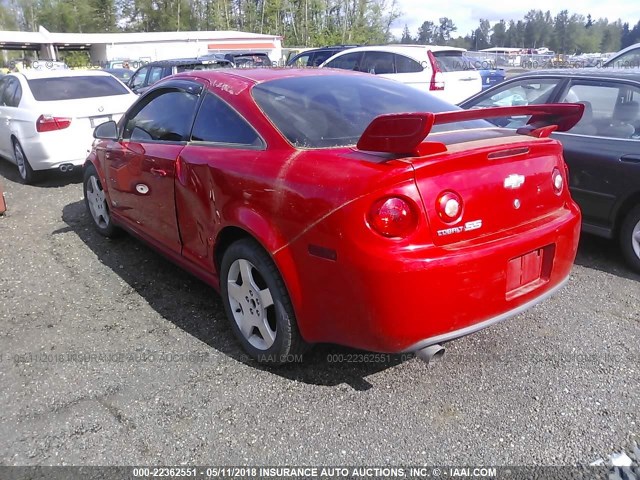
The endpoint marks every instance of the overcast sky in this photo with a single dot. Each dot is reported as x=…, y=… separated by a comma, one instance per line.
x=466, y=14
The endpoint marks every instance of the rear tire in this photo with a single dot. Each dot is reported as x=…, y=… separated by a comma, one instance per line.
x=258, y=305
x=27, y=174
x=630, y=238
x=95, y=200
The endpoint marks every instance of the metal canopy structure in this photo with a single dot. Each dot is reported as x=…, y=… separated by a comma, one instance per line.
x=152, y=45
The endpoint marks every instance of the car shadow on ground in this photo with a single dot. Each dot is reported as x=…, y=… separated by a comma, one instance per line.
x=197, y=309
x=604, y=255
x=46, y=179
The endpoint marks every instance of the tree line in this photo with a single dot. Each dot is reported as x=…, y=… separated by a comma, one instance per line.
x=299, y=22
x=317, y=22
x=563, y=33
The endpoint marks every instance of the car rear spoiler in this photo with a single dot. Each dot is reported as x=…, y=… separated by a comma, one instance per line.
x=404, y=133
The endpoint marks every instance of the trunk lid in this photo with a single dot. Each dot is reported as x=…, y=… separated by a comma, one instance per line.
x=504, y=181
x=88, y=113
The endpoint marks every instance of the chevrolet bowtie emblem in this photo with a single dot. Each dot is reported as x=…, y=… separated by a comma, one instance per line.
x=514, y=181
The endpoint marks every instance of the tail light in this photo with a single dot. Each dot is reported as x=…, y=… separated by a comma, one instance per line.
x=449, y=206
x=48, y=123
x=558, y=181
x=437, y=78
x=393, y=217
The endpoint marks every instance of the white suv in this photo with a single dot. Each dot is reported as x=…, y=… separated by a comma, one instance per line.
x=442, y=71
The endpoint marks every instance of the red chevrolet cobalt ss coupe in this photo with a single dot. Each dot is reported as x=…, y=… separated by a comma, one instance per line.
x=340, y=207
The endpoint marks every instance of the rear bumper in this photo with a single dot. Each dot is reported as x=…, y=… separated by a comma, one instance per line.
x=446, y=337
x=406, y=299
x=49, y=150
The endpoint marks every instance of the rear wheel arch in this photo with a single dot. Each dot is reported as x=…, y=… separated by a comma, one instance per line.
x=227, y=236
x=27, y=174
x=627, y=205
x=14, y=140
x=282, y=259
x=258, y=305
x=92, y=161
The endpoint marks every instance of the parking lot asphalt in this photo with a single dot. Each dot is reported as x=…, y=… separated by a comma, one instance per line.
x=111, y=355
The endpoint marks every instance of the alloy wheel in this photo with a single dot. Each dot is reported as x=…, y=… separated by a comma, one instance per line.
x=251, y=304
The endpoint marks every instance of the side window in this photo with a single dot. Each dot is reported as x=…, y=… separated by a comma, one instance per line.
x=319, y=58
x=378, y=63
x=529, y=91
x=348, y=61
x=611, y=110
x=9, y=92
x=166, y=117
x=138, y=79
x=17, y=96
x=301, y=61
x=3, y=83
x=217, y=122
x=407, y=65
x=191, y=66
x=155, y=74
x=524, y=92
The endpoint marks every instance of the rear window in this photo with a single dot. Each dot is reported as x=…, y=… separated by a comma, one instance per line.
x=452, y=61
x=248, y=61
x=72, y=88
x=202, y=66
x=332, y=111
x=321, y=57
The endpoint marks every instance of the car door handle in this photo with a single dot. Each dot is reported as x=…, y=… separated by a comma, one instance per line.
x=158, y=172
x=630, y=158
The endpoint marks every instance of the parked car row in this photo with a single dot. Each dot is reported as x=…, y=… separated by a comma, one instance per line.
x=447, y=72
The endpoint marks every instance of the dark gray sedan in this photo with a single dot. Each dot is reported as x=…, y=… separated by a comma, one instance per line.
x=602, y=150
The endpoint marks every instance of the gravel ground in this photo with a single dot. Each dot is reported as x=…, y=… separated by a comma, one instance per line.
x=111, y=355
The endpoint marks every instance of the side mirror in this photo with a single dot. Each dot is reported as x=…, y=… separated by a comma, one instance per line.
x=106, y=131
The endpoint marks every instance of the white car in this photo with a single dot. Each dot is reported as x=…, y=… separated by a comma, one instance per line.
x=626, y=58
x=442, y=71
x=47, y=117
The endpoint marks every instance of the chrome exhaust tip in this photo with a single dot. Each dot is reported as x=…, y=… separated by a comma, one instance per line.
x=430, y=353
x=66, y=167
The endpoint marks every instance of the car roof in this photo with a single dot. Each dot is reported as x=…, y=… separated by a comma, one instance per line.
x=615, y=73
x=329, y=47
x=405, y=48
x=34, y=74
x=265, y=74
x=189, y=61
x=242, y=54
